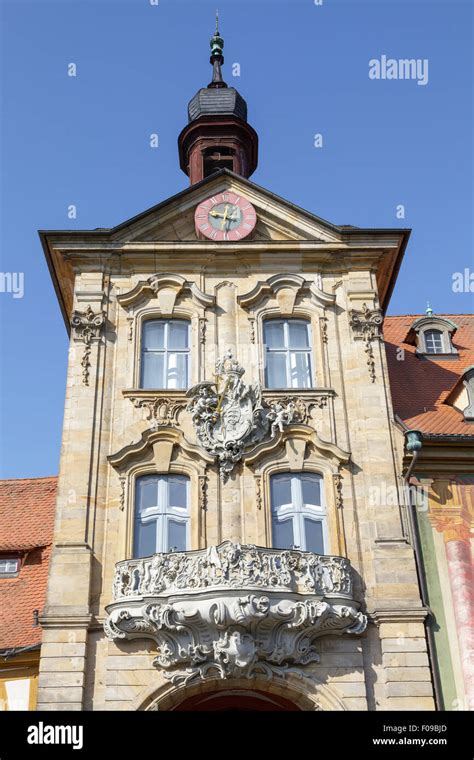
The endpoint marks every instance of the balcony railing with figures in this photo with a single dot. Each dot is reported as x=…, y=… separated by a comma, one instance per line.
x=233, y=610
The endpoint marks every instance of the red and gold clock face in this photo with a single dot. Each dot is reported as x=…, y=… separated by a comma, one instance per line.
x=225, y=216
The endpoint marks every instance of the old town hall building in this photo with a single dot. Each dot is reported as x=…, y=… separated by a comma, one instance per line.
x=228, y=421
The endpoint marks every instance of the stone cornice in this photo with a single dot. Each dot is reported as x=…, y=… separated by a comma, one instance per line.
x=134, y=452
x=270, y=287
x=304, y=432
x=150, y=288
x=48, y=621
x=398, y=615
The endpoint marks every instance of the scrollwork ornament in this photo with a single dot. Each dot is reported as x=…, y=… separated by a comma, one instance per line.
x=324, y=329
x=123, y=481
x=252, y=329
x=159, y=411
x=258, y=491
x=87, y=327
x=203, y=485
x=202, y=330
x=337, y=480
x=251, y=610
x=367, y=325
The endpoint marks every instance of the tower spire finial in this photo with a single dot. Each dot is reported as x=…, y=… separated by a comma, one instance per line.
x=429, y=310
x=217, y=58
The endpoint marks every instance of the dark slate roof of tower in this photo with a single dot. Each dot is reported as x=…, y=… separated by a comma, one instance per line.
x=210, y=101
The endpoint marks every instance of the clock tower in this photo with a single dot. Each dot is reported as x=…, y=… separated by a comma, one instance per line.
x=217, y=135
x=231, y=530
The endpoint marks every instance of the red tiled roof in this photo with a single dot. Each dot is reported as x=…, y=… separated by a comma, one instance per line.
x=421, y=386
x=27, y=509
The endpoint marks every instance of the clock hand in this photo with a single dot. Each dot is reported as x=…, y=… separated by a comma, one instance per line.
x=225, y=215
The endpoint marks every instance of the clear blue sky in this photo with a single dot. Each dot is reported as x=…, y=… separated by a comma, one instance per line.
x=304, y=70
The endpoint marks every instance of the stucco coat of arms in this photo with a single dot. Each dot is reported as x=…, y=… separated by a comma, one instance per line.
x=230, y=416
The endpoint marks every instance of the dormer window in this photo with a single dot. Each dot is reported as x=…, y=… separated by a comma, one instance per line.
x=433, y=342
x=432, y=335
x=468, y=382
x=462, y=395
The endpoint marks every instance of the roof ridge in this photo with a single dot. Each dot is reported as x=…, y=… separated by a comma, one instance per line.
x=17, y=480
x=443, y=314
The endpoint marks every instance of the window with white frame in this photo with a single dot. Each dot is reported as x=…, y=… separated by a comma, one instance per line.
x=288, y=361
x=433, y=341
x=162, y=518
x=298, y=512
x=9, y=566
x=165, y=354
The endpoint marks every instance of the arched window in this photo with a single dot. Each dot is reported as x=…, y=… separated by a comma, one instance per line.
x=298, y=512
x=434, y=342
x=288, y=362
x=165, y=354
x=161, y=514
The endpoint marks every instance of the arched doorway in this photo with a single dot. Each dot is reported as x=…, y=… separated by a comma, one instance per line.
x=236, y=700
x=291, y=693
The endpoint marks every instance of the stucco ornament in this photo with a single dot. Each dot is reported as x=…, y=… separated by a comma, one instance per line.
x=232, y=610
x=87, y=327
x=230, y=416
x=367, y=326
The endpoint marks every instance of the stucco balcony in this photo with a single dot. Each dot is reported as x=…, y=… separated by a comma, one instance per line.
x=232, y=609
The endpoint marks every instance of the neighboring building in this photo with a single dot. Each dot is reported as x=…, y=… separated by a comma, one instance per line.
x=431, y=367
x=227, y=420
x=27, y=509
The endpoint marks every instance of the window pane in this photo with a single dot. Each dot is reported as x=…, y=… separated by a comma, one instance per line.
x=177, y=492
x=274, y=334
x=298, y=332
x=154, y=334
x=276, y=370
x=177, y=371
x=152, y=370
x=314, y=536
x=176, y=536
x=283, y=534
x=300, y=370
x=178, y=334
x=434, y=341
x=147, y=492
x=280, y=490
x=311, y=488
x=144, y=539
x=8, y=566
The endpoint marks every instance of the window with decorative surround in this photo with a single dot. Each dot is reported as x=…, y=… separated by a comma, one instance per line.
x=162, y=514
x=298, y=512
x=165, y=354
x=288, y=353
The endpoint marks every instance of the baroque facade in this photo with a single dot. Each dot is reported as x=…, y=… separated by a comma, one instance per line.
x=227, y=417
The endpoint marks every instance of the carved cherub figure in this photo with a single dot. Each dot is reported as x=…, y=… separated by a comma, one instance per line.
x=281, y=415
x=204, y=403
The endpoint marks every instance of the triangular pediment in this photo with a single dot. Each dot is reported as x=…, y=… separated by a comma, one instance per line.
x=170, y=225
x=277, y=219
